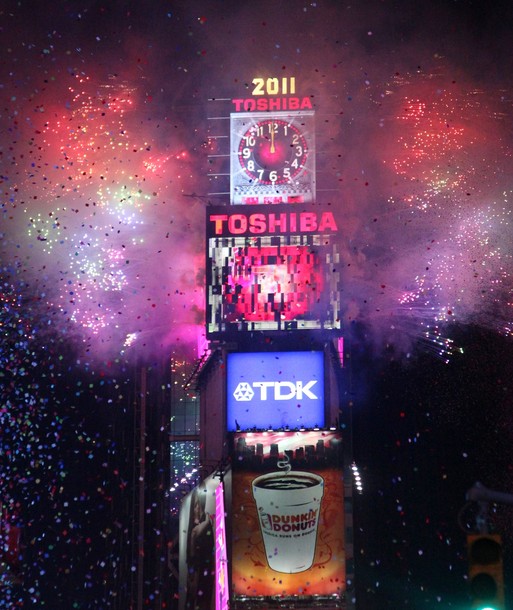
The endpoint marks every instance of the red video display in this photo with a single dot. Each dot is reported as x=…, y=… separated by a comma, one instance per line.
x=273, y=271
x=270, y=282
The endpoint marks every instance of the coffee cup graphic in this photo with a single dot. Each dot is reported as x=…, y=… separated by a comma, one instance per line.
x=288, y=506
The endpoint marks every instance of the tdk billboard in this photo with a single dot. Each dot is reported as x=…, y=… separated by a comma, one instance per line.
x=275, y=389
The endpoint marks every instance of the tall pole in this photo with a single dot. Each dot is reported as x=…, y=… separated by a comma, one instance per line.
x=142, y=474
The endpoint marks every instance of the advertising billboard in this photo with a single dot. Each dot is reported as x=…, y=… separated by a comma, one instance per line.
x=272, y=268
x=197, y=555
x=274, y=390
x=288, y=516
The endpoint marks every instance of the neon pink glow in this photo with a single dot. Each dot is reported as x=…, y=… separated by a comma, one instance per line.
x=268, y=280
x=220, y=550
x=340, y=350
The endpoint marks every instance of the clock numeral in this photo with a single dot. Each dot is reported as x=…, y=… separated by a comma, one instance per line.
x=249, y=139
x=246, y=153
x=273, y=176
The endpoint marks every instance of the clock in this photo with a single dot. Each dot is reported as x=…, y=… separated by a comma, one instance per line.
x=272, y=157
x=273, y=151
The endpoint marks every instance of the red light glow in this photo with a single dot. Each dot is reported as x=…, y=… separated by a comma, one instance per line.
x=273, y=281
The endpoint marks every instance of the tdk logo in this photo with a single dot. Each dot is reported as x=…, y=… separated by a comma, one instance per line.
x=277, y=390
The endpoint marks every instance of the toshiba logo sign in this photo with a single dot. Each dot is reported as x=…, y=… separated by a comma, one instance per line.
x=275, y=389
x=278, y=219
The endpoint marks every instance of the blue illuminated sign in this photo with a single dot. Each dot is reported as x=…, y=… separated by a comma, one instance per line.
x=275, y=389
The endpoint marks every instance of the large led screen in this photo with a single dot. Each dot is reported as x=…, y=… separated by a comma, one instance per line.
x=274, y=390
x=272, y=268
x=288, y=516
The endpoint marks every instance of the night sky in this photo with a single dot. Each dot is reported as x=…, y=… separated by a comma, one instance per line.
x=105, y=144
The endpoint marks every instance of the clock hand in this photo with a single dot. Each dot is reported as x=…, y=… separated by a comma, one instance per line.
x=273, y=149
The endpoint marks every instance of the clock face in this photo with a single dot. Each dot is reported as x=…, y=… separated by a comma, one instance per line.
x=272, y=157
x=273, y=151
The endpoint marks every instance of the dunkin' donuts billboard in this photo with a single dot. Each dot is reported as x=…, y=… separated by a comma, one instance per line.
x=288, y=515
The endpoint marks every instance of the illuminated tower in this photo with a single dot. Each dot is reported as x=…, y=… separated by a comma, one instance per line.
x=270, y=391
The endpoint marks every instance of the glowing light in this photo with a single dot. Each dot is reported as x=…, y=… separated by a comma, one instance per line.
x=357, y=479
